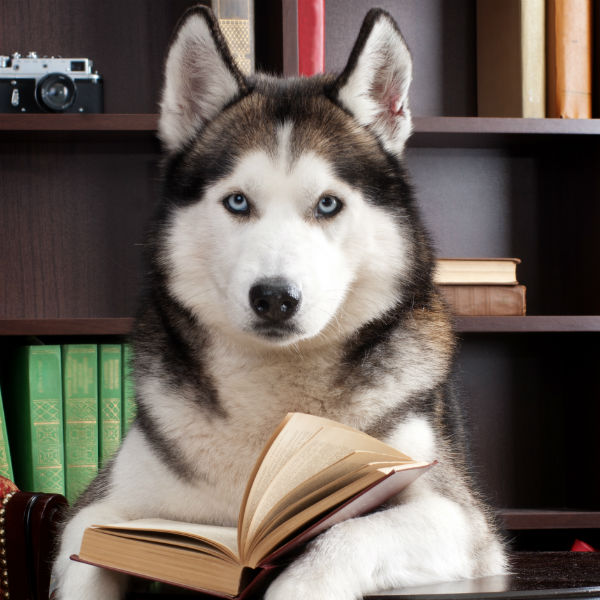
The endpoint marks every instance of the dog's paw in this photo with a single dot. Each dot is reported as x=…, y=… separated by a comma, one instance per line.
x=84, y=581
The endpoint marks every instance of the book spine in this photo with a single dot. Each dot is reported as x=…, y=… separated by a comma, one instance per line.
x=6, y=469
x=36, y=424
x=129, y=407
x=80, y=393
x=569, y=43
x=311, y=37
x=511, y=58
x=485, y=300
x=110, y=377
x=236, y=19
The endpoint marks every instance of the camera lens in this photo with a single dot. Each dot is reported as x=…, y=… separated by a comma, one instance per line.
x=55, y=92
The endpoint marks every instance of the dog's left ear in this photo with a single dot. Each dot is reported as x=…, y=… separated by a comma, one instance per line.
x=374, y=84
x=201, y=78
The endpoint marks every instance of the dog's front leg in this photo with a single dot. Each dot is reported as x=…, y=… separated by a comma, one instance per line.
x=76, y=581
x=426, y=540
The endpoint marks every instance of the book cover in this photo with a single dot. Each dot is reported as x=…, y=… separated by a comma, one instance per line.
x=511, y=68
x=488, y=271
x=80, y=406
x=303, y=37
x=128, y=398
x=6, y=469
x=236, y=19
x=312, y=474
x=110, y=376
x=485, y=300
x=36, y=419
x=569, y=59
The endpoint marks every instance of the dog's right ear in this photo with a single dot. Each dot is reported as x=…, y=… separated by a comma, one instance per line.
x=201, y=77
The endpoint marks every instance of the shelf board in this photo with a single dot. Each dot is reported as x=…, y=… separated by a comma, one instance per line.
x=522, y=519
x=108, y=326
x=529, y=324
x=428, y=131
x=123, y=325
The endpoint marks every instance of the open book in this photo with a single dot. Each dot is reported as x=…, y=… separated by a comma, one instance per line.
x=312, y=473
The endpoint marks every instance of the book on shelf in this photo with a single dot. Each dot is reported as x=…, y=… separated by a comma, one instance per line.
x=511, y=69
x=236, y=19
x=485, y=271
x=485, y=300
x=80, y=406
x=303, y=37
x=110, y=392
x=128, y=407
x=35, y=419
x=569, y=59
x=6, y=469
x=311, y=474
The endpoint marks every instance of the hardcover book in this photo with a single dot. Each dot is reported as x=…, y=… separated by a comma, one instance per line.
x=511, y=66
x=36, y=419
x=312, y=474
x=485, y=300
x=465, y=271
x=6, y=469
x=80, y=394
x=128, y=397
x=110, y=376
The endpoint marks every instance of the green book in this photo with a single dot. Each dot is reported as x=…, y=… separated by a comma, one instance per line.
x=110, y=359
x=129, y=406
x=80, y=405
x=36, y=419
x=6, y=469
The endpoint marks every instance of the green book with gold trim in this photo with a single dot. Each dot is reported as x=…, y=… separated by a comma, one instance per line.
x=110, y=377
x=129, y=406
x=80, y=406
x=6, y=469
x=36, y=419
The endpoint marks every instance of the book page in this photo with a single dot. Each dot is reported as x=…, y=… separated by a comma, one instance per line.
x=223, y=538
x=328, y=446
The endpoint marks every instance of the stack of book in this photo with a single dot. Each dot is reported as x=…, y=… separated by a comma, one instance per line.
x=481, y=286
x=68, y=407
x=534, y=58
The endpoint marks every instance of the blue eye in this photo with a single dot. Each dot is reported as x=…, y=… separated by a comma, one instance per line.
x=328, y=206
x=237, y=204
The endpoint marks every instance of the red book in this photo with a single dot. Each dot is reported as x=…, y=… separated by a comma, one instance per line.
x=303, y=37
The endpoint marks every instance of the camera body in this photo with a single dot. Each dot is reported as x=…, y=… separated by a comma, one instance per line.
x=32, y=84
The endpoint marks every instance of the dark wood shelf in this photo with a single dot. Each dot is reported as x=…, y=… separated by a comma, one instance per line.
x=123, y=325
x=527, y=519
x=529, y=324
x=428, y=131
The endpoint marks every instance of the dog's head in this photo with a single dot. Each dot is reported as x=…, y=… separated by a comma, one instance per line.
x=286, y=214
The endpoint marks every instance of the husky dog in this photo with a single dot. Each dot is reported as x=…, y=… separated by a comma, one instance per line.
x=290, y=271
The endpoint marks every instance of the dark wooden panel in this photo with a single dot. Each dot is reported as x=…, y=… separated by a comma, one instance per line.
x=126, y=40
x=66, y=327
x=72, y=218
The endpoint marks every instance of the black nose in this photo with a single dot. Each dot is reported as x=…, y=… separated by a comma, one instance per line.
x=275, y=299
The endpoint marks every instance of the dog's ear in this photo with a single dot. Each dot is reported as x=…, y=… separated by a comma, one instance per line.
x=374, y=84
x=201, y=77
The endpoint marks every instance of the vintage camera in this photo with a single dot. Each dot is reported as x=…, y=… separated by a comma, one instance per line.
x=30, y=84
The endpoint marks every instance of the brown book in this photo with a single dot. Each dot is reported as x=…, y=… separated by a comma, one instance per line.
x=485, y=300
x=511, y=53
x=312, y=474
x=465, y=271
x=569, y=59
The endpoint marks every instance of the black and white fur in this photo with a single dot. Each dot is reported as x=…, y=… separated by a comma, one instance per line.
x=366, y=340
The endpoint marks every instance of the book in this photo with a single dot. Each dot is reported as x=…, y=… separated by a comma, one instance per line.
x=480, y=300
x=110, y=391
x=35, y=419
x=303, y=37
x=311, y=474
x=569, y=59
x=511, y=67
x=236, y=19
x=80, y=407
x=128, y=398
x=489, y=271
x=6, y=469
